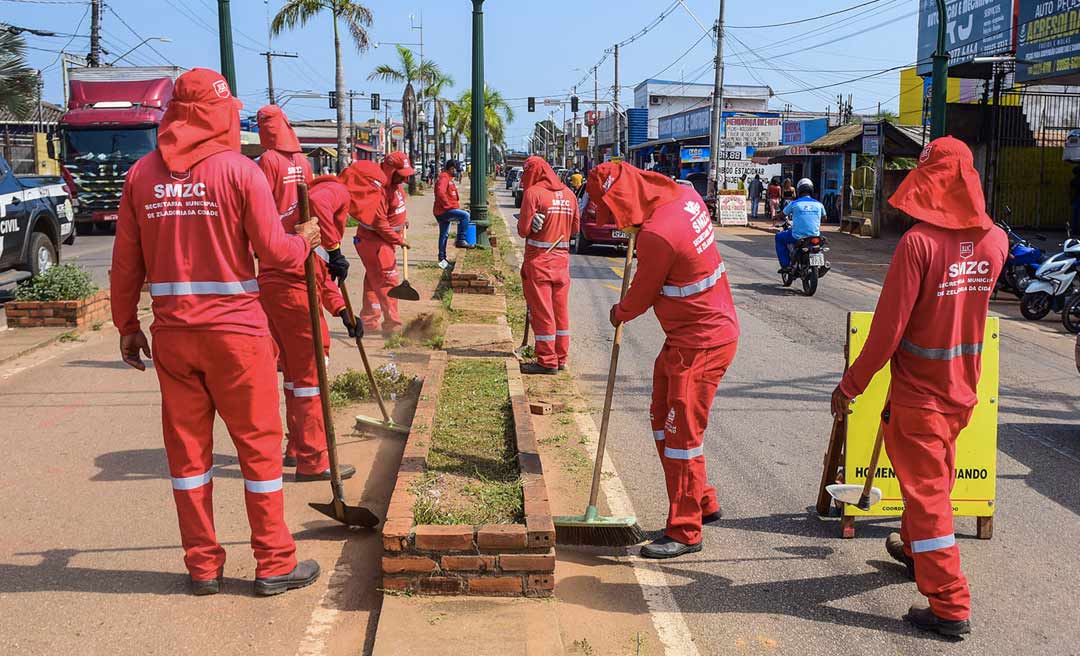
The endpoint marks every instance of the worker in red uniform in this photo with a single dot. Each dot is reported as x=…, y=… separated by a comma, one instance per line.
x=929, y=323
x=682, y=277
x=283, y=293
x=549, y=215
x=447, y=210
x=376, y=244
x=192, y=212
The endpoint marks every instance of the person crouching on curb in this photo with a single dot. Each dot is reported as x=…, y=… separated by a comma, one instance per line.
x=682, y=277
x=929, y=322
x=191, y=214
x=549, y=216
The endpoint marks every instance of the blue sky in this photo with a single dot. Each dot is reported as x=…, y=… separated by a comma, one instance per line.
x=533, y=48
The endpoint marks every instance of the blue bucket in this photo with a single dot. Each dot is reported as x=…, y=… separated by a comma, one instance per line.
x=470, y=235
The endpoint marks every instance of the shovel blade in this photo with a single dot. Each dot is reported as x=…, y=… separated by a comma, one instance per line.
x=404, y=292
x=350, y=515
x=852, y=495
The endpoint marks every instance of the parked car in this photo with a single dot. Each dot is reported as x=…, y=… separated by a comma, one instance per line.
x=35, y=219
x=592, y=234
x=517, y=190
x=512, y=175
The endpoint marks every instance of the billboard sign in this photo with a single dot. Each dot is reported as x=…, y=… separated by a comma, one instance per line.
x=752, y=131
x=1047, y=39
x=972, y=27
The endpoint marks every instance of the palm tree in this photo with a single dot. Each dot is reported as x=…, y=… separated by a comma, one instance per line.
x=409, y=70
x=18, y=82
x=357, y=19
x=435, y=90
x=497, y=113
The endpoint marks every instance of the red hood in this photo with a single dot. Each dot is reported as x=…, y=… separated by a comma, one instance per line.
x=275, y=133
x=322, y=179
x=538, y=171
x=944, y=189
x=627, y=196
x=203, y=119
x=366, y=183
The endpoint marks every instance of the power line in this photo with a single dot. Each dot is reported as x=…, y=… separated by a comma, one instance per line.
x=802, y=20
x=139, y=36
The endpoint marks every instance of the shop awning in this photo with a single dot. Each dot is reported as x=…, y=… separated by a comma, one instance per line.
x=366, y=148
x=653, y=143
x=900, y=141
x=781, y=151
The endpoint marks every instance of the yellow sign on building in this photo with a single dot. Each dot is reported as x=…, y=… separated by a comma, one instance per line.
x=976, y=447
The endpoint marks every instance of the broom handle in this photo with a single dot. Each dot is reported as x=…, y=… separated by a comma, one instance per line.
x=363, y=353
x=405, y=256
x=873, y=464
x=315, y=312
x=612, y=368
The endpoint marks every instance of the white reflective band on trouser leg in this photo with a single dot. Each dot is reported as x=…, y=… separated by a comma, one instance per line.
x=683, y=454
x=376, y=306
x=203, y=288
x=562, y=333
x=287, y=387
x=305, y=391
x=263, y=487
x=694, y=288
x=545, y=338
x=933, y=544
x=192, y=482
x=321, y=252
x=658, y=435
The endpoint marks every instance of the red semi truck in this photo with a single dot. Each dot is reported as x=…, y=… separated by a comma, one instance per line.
x=111, y=121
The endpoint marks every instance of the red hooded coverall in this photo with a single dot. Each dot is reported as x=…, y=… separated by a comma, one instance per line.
x=929, y=322
x=191, y=213
x=545, y=276
x=376, y=242
x=283, y=292
x=681, y=276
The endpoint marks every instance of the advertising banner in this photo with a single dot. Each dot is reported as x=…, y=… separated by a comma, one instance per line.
x=752, y=131
x=1048, y=40
x=731, y=207
x=972, y=27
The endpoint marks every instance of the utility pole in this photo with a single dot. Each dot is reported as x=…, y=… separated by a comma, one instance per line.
x=594, y=131
x=716, y=137
x=94, y=59
x=574, y=137
x=940, y=82
x=225, y=44
x=420, y=99
x=617, y=151
x=270, y=72
x=478, y=208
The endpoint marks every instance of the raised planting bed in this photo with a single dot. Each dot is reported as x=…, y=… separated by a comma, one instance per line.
x=474, y=272
x=470, y=512
x=63, y=314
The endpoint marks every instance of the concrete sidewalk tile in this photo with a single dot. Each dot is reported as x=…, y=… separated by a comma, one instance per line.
x=17, y=342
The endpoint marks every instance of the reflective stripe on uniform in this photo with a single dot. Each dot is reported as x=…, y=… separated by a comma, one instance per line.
x=305, y=391
x=546, y=244
x=658, y=435
x=203, y=288
x=263, y=487
x=545, y=338
x=192, y=482
x=372, y=229
x=941, y=353
x=933, y=544
x=376, y=306
x=694, y=288
x=683, y=454
x=562, y=333
x=321, y=252
x=287, y=386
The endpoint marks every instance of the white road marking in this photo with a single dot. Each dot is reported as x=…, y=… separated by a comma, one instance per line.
x=325, y=613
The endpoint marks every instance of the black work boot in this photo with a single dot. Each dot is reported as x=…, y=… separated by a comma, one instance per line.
x=304, y=574
x=665, y=547
x=713, y=517
x=288, y=461
x=207, y=587
x=537, y=368
x=346, y=472
x=925, y=620
x=895, y=546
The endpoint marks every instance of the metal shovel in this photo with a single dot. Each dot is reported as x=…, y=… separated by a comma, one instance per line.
x=404, y=291
x=866, y=495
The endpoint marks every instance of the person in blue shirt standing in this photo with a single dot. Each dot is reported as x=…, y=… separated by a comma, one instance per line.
x=806, y=214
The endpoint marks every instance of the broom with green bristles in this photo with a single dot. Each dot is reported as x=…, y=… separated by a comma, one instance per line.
x=592, y=528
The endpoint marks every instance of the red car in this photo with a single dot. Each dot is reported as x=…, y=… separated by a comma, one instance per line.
x=595, y=235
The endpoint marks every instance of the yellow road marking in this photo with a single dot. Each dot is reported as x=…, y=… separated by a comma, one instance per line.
x=618, y=271
x=618, y=289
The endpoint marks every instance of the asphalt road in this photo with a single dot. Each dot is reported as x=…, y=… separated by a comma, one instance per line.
x=773, y=577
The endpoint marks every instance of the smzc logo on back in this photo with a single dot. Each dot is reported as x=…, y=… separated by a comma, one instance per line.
x=982, y=267
x=180, y=190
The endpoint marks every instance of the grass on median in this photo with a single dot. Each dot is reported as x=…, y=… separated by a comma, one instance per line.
x=472, y=475
x=353, y=386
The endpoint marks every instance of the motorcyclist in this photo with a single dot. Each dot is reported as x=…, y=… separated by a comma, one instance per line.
x=805, y=214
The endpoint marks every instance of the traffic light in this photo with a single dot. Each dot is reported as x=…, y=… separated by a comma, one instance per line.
x=333, y=100
x=375, y=102
x=532, y=104
x=573, y=104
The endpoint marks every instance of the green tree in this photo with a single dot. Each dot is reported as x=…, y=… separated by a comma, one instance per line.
x=357, y=18
x=497, y=113
x=18, y=82
x=436, y=89
x=409, y=70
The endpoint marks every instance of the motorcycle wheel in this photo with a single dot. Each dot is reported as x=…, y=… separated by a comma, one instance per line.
x=1070, y=318
x=787, y=279
x=1035, y=306
x=809, y=281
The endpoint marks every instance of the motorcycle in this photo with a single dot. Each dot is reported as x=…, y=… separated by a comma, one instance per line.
x=1055, y=282
x=808, y=263
x=1021, y=263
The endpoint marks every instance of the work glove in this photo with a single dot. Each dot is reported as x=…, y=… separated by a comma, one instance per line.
x=354, y=329
x=538, y=222
x=338, y=266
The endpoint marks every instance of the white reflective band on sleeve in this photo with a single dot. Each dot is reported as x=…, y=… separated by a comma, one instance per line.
x=376, y=306
x=305, y=391
x=658, y=435
x=203, y=288
x=562, y=333
x=546, y=244
x=263, y=487
x=321, y=252
x=365, y=226
x=683, y=454
x=287, y=385
x=545, y=338
x=192, y=482
x=695, y=288
x=933, y=544
x=941, y=353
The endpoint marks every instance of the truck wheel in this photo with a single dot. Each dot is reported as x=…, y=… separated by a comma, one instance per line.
x=41, y=255
x=84, y=229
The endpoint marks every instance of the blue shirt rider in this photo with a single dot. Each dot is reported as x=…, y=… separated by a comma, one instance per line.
x=806, y=214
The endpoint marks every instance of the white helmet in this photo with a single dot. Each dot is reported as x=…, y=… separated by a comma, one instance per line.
x=805, y=187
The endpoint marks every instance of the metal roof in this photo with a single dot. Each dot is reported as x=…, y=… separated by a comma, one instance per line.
x=900, y=141
x=50, y=114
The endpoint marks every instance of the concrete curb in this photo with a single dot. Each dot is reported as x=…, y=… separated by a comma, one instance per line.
x=45, y=341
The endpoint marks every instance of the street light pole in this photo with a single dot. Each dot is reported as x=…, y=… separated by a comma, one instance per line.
x=940, y=82
x=225, y=44
x=478, y=208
